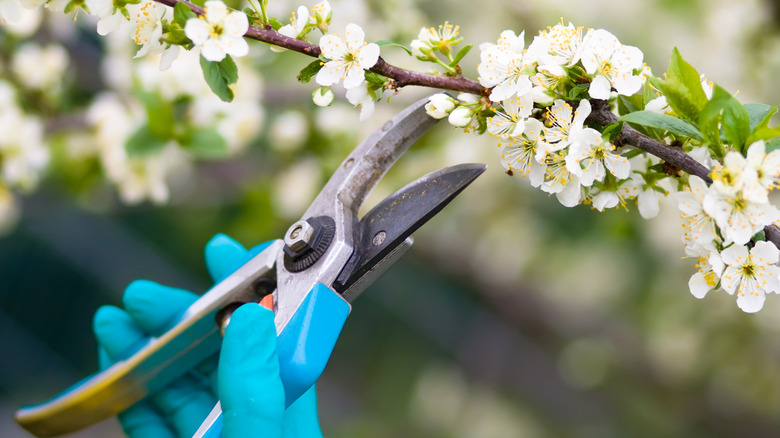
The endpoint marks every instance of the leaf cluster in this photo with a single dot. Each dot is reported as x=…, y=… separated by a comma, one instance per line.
x=719, y=122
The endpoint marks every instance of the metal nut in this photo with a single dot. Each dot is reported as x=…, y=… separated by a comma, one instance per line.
x=299, y=236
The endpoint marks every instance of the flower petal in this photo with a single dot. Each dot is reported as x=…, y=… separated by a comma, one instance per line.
x=355, y=37
x=331, y=73
x=236, y=24
x=212, y=50
x=367, y=56
x=197, y=30
x=600, y=88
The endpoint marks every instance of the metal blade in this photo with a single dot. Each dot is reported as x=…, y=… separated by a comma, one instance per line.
x=388, y=224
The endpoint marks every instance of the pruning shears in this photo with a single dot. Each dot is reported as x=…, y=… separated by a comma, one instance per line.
x=330, y=246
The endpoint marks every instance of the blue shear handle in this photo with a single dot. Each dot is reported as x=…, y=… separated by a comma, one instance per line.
x=305, y=344
x=303, y=348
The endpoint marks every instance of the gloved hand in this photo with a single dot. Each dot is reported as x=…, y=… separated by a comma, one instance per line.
x=245, y=376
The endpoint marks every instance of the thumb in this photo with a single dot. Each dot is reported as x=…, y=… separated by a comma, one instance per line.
x=249, y=385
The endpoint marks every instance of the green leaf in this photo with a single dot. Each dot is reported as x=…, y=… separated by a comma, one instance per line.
x=629, y=104
x=375, y=79
x=310, y=71
x=733, y=117
x=220, y=76
x=663, y=121
x=383, y=43
x=577, y=91
x=612, y=131
x=461, y=53
x=206, y=144
x=760, y=115
x=159, y=113
x=181, y=13
x=648, y=94
x=772, y=145
x=143, y=143
x=631, y=153
x=683, y=73
x=679, y=99
x=275, y=23
x=682, y=88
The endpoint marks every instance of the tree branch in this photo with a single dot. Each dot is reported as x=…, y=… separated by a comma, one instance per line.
x=401, y=77
x=603, y=115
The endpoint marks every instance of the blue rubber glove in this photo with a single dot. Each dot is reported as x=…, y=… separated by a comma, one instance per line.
x=245, y=376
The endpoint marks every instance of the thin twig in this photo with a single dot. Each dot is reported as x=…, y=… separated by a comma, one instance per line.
x=601, y=115
x=401, y=77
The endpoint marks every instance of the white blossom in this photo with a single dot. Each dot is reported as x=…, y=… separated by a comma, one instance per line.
x=589, y=154
x=430, y=39
x=109, y=17
x=359, y=96
x=322, y=96
x=737, y=216
x=218, y=33
x=511, y=119
x=40, y=68
x=298, y=23
x=557, y=47
x=612, y=63
x=348, y=58
x=762, y=171
x=320, y=16
x=460, y=117
x=751, y=274
x=23, y=153
x=699, y=226
x=20, y=18
x=518, y=154
x=561, y=121
x=146, y=18
x=504, y=68
x=558, y=180
x=614, y=194
x=439, y=105
x=710, y=268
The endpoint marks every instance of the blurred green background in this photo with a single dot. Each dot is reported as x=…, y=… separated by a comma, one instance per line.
x=512, y=316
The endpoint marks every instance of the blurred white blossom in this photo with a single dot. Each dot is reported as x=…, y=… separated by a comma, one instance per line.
x=40, y=68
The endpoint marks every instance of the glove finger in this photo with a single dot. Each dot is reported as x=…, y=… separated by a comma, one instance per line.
x=250, y=388
x=208, y=369
x=185, y=403
x=155, y=307
x=116, y=332
x=300, y=419
x=223, y=256
x=143, y=420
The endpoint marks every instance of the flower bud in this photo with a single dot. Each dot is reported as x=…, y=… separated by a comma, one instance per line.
x=322, y=96
x=439, y=105
x=460, y=117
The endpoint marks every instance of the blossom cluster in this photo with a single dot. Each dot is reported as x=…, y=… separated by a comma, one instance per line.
x=541, y=135
x=537, y=100
x=23, y=155
x=349, y=56
x=721, y=220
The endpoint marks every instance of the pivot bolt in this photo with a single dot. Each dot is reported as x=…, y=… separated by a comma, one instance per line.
x=299, y=237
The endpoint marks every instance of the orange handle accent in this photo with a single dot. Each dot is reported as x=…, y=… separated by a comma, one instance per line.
x=268, y=302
